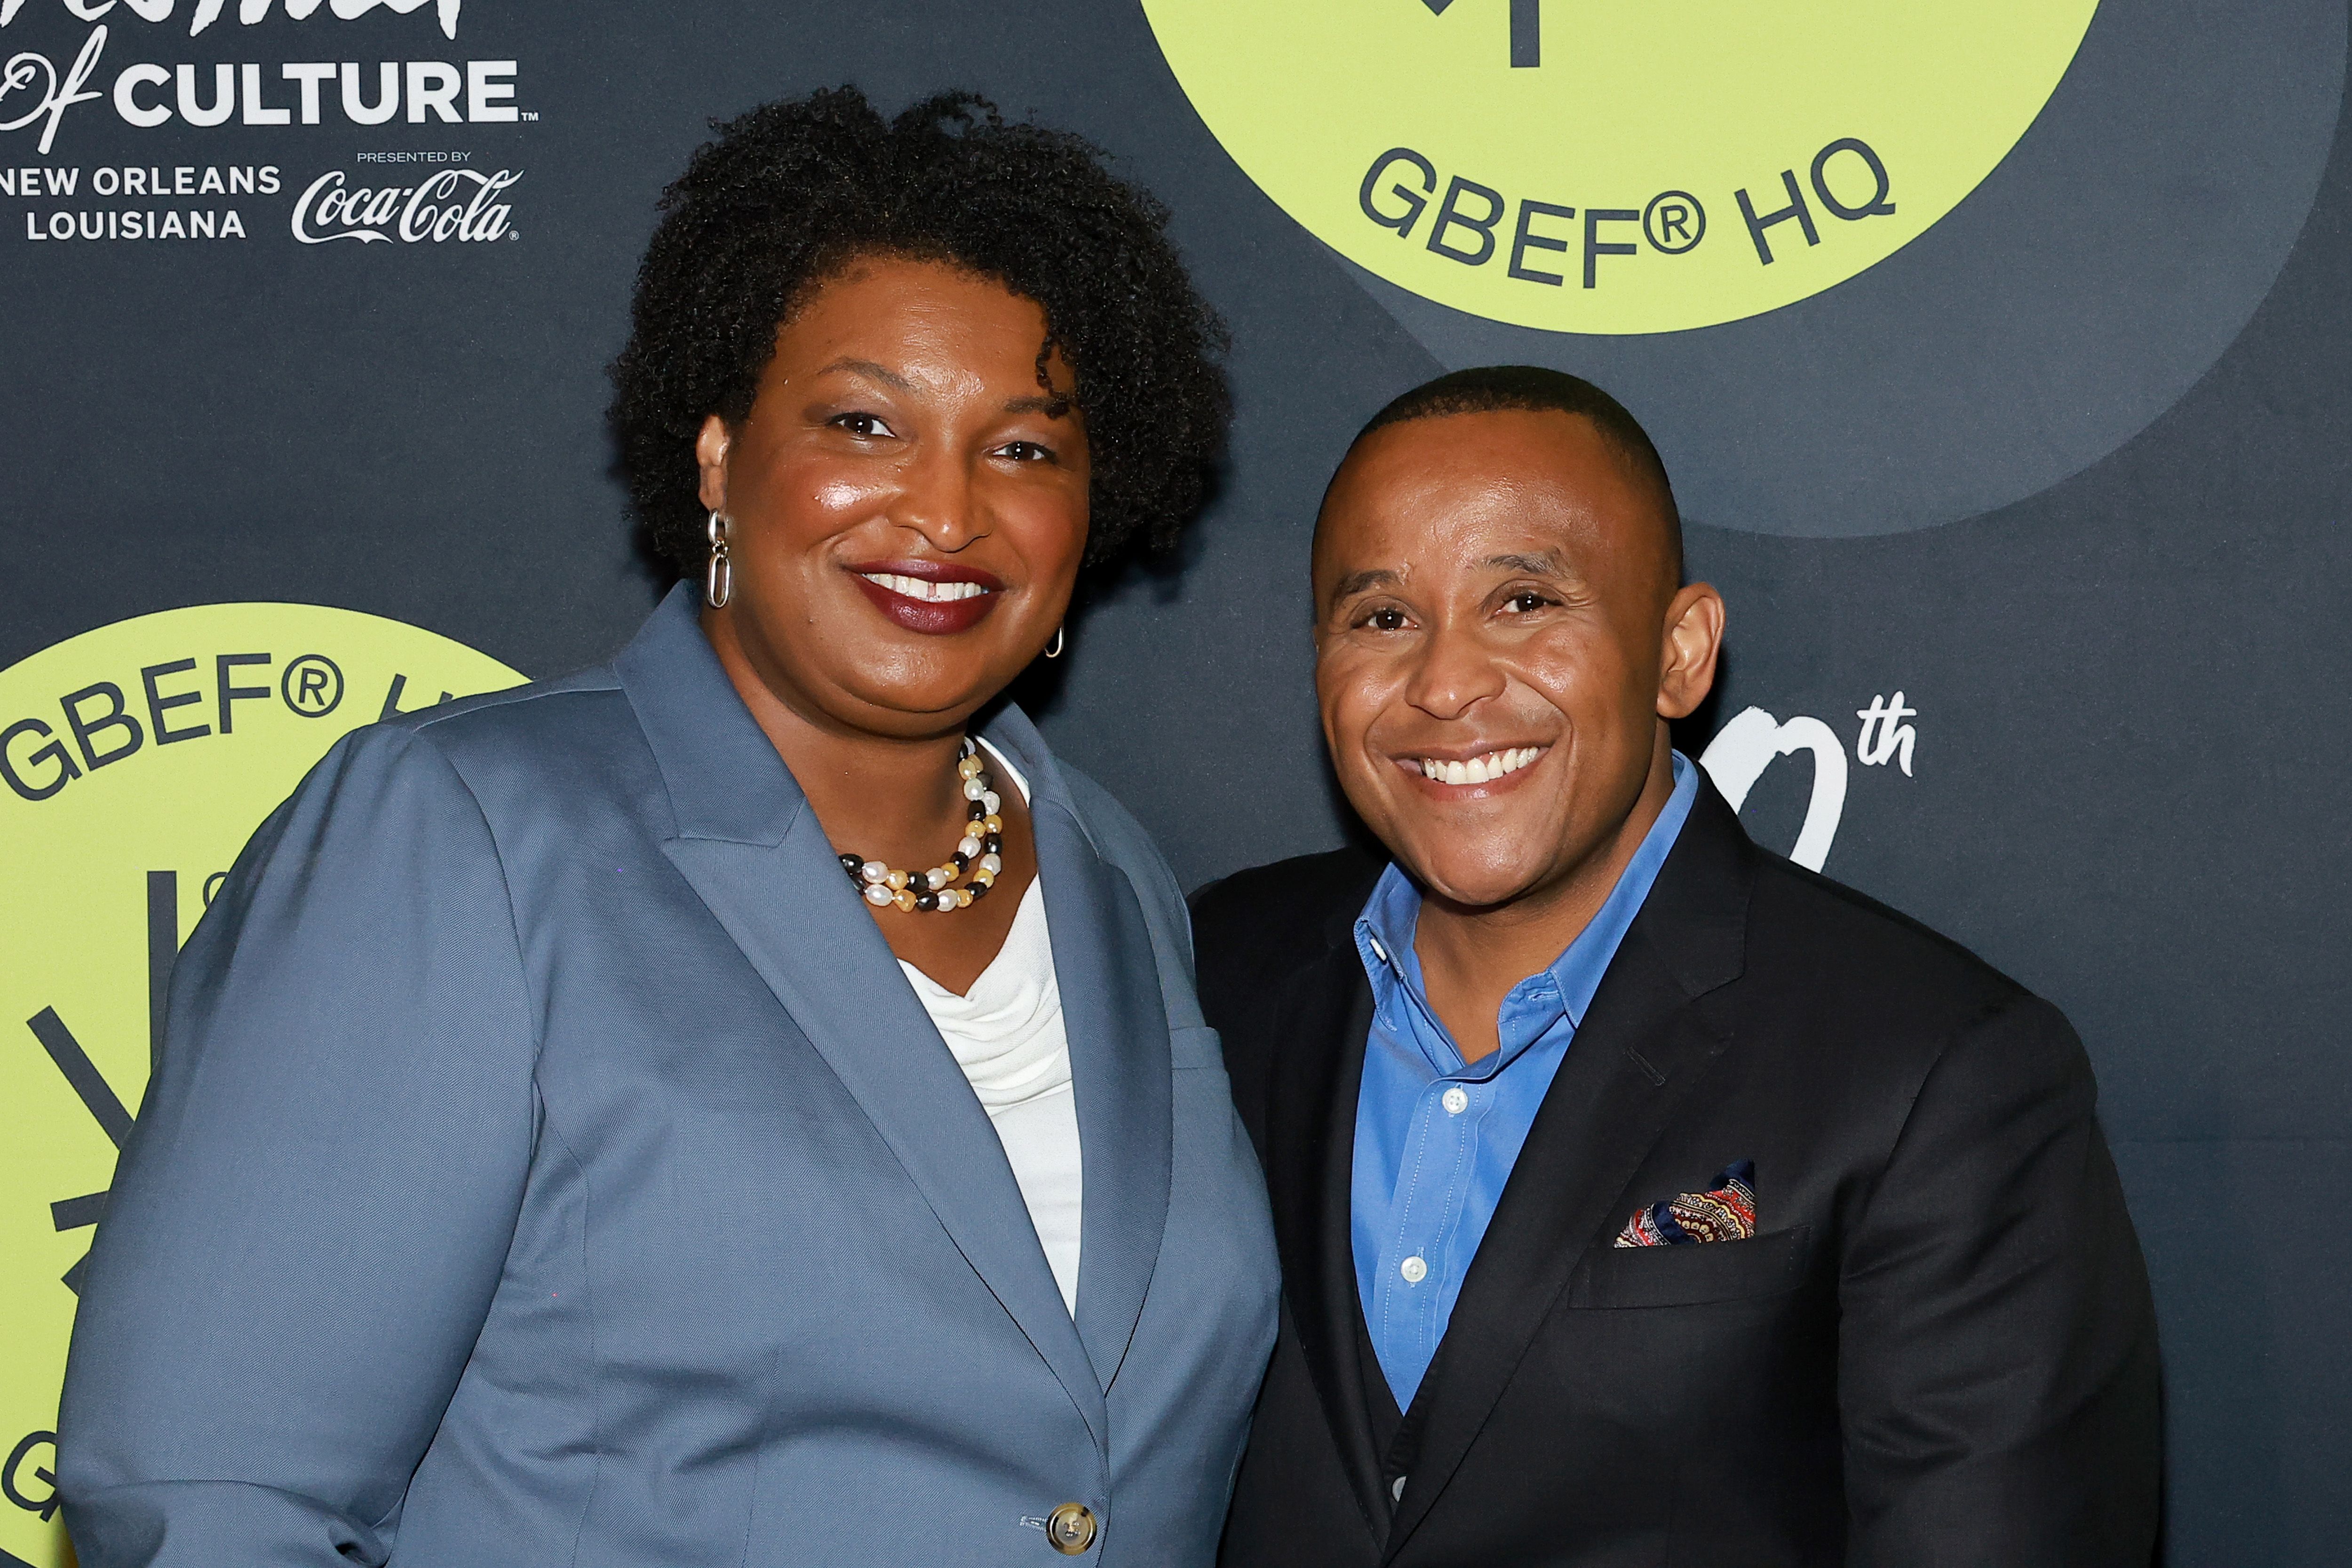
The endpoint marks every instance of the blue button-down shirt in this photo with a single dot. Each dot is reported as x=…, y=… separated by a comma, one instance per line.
x=1436, y=1136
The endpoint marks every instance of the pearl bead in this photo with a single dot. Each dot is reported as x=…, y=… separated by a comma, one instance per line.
x=881, y=885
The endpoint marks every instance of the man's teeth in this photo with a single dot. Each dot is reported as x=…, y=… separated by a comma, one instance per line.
x=917, y=588
x=1480, y=770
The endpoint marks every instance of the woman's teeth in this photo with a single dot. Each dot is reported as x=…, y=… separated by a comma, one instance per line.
x=1480, y=770
x=917, y=588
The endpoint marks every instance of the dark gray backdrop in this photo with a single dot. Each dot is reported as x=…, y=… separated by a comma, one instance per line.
x=2130, y=344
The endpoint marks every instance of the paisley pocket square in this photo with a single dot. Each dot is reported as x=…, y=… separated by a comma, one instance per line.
x=1726, y=1213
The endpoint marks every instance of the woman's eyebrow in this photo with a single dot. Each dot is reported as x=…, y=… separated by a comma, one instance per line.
x=866, y=367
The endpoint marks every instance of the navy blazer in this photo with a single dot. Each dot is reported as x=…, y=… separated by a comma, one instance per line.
x=549, y=1164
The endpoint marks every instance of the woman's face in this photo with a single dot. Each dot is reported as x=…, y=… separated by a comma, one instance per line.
x=906, y=504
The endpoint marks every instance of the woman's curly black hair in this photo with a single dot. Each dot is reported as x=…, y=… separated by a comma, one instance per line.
x=793, y=191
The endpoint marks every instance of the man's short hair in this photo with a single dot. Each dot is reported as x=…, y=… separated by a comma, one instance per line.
x=1488, y=389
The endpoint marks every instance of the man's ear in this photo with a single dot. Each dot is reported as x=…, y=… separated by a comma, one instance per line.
x=1694, y=637
x=710, y=455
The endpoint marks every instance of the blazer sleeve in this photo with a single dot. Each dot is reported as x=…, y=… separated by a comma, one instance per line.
x=1998, y=1372
x=313, y=1209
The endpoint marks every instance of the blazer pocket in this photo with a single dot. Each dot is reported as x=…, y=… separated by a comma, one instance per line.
x=1195, y=1046
x=1694, y=1274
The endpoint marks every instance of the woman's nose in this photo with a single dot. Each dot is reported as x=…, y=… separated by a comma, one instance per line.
x=938, y=502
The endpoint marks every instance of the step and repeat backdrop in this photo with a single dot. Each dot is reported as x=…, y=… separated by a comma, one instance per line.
x=2000, y=351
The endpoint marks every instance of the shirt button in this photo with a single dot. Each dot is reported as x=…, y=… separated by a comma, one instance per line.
x=1414, y=1269
x=1382, y=952
x=1457, y=1100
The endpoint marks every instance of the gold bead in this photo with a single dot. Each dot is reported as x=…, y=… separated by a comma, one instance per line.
x=984, y=877
x=903, y=899
x=969, y=767
x=993, y=823
x=897, y=881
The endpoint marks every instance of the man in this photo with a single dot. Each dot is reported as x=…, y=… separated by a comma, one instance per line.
x=1642, y=1198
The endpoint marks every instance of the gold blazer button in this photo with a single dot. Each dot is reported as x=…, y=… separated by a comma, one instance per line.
x=1071, y=1529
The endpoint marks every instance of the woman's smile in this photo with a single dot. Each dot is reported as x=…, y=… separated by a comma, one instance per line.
x=931, y=597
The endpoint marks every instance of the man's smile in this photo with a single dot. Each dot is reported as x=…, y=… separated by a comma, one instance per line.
x=1486, y=767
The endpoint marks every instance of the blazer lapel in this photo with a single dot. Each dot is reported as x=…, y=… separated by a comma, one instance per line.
x=1311, y=1151
x=1117, y=1024
x=760, y=861
x=1647, y=1038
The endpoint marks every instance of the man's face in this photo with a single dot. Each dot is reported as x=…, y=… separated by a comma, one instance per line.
x=1496, y=641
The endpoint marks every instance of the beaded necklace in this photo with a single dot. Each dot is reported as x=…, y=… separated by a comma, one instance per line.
x=979, y=852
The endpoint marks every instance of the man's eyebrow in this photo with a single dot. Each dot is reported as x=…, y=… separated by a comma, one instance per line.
x=866, y=367
x=1357, y=582
x=1546, y=565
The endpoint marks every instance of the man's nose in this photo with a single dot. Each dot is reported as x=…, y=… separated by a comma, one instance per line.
x=1455, y=672
x=939, y=501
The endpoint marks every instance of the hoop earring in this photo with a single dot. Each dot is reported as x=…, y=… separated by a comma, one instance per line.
x=718, y=577
x=1055, y=651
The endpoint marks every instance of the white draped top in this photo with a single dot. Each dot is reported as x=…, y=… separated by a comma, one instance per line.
x=1006, y=1034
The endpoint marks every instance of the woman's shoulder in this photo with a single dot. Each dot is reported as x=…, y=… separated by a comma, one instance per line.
x=526, y=748
x=1124, y=842
x=1112, y=830
x=541, y=729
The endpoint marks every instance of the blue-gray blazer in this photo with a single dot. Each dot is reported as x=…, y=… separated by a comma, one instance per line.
x=549, y=1164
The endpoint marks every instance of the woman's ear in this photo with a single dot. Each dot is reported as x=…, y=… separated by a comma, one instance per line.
x=710, y=454
x=1693, y=636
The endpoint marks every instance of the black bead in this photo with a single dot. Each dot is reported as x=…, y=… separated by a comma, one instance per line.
x=962, y=862
x=927, y=901
x=852, y=864
x=994, y=844
x=978, y=811
x=977, y=890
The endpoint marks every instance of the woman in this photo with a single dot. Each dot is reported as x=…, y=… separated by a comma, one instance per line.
x=711, y=1109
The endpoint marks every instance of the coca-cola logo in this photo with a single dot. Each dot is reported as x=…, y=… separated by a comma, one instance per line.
x=458, y=204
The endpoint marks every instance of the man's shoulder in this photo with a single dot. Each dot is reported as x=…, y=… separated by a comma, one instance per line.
x=1290, y=904
x=1811, y=936
x=1257, y=924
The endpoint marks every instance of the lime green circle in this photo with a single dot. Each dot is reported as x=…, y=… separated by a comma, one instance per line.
x=75, y=898
x=1550, y=172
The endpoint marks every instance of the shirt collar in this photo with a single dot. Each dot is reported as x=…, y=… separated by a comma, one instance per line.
x=1564, y=988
